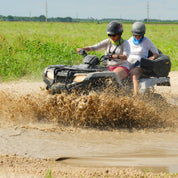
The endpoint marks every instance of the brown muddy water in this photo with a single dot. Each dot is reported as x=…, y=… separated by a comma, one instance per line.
x=95, y=130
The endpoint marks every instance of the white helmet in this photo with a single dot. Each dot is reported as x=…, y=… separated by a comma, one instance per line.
x=138, y=28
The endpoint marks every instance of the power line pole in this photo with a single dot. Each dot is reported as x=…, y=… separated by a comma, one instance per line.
x=46, y=11
x=148, y=11
x=30, y=16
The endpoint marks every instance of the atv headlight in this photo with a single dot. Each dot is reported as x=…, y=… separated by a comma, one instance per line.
x=50, y=74
x=79, y=77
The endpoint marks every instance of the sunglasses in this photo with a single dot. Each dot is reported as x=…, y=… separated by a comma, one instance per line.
x=111, y=35
x=137, y=35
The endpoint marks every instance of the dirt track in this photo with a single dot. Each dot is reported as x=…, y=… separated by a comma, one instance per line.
x=33, y=147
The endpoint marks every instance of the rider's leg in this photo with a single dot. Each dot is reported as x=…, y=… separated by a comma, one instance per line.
x=122, y=72
x=136, y=74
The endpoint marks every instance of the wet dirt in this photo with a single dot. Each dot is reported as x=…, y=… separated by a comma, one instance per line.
x=90, y=136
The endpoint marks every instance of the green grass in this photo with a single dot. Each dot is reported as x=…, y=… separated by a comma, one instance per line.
x=26, y=48
x=49, y=174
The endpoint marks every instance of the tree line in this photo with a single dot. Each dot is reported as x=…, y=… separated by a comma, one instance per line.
x=40, y=18
x=43, y=18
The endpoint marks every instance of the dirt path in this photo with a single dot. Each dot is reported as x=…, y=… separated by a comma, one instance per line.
x=33, y=147
x=171, y=93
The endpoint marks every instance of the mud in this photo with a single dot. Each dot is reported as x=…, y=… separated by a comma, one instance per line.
x=88, y=135
x=103, y=110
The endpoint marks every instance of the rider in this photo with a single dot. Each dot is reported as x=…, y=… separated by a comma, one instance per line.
x=140, y=47
x=117, y=48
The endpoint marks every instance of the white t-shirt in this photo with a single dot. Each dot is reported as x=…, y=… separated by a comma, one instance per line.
x=109, y=47
x=141, y=50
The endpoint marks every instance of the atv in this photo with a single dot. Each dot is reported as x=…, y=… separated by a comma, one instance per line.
x=93, y=74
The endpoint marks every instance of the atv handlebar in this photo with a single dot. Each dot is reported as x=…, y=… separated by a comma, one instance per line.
x=106, y=57
x=83, y=52
x=102, y=58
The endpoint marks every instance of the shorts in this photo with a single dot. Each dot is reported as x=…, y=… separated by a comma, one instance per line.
x=125, y=68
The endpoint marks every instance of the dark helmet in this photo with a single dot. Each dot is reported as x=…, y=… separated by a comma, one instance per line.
x=138, y=28
x=114, y=27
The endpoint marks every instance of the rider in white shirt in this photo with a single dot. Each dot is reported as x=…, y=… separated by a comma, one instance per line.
x=116, y=47
x=139, y=48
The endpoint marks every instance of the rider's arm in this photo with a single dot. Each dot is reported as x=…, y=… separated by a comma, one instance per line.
x=120, y=56
x=152, y=48
x=155, y=55
x=85, y=48
x=97, y=47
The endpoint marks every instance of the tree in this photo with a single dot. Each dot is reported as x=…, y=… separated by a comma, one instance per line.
x=42, y=18
x=10, y=18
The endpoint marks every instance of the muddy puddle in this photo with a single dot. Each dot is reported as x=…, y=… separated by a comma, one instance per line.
x=157, y=151
x=97, y=130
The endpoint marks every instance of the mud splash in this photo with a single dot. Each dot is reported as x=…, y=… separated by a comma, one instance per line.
x=96, y=110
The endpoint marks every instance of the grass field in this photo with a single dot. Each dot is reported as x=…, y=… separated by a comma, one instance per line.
x=26, y=48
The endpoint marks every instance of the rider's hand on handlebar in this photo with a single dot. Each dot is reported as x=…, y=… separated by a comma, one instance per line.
x=115, y=56
x=78, y=50
x=81, y=51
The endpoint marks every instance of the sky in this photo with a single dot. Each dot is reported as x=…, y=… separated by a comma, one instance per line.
x=98, y=9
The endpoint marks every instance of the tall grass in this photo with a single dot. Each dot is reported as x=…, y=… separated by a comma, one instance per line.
x=26, y=48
